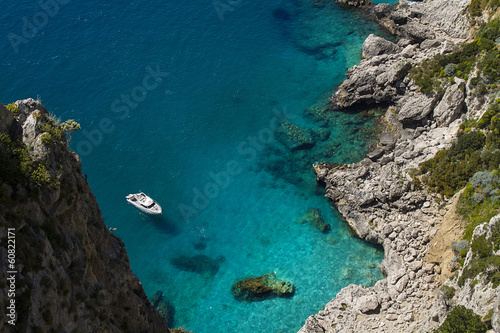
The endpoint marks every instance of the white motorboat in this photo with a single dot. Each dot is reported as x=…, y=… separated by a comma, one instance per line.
x=144, y=203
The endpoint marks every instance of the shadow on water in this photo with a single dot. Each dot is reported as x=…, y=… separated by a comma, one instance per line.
x=160, y=222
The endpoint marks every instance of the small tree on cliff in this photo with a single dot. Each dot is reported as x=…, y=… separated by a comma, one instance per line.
x=69, y=126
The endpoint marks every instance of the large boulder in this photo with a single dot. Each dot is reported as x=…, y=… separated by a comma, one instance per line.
x=261, y=288
x=451, y=105
x=382, y=10
x=417, y=32
x=416, y=107
x=374, y=46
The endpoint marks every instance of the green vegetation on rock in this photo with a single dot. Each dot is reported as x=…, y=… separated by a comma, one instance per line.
x=462, y=320
x=482, y=53
x=451, y=169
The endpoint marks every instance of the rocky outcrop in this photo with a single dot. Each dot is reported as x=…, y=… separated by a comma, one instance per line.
x=451, y=105
x=261, y=288
x=71, y=273
x=381, y=77
x=378, y=199
x=415, y=107
x=374, y=46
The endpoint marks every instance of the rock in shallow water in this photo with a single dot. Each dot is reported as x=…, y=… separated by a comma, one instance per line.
x=261, y=288
x=293, y=137
x=313, y=216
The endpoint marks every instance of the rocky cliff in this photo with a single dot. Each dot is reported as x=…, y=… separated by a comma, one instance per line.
x=62, y=270
x=380, y=197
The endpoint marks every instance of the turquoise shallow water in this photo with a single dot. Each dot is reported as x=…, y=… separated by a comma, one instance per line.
x=178, y=99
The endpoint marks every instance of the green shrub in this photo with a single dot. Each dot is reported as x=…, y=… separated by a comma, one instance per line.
x=462, y=320
x=475, y=8
x=448, y=292
x=488, y=266
x=451, y=169
x=481, y=246
x=12, y=107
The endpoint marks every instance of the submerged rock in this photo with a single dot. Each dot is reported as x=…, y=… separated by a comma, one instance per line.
x=313, y=216
x=157, y=297
x=261, y=288
x=294, y=137
x=167, y=311
x=198, y=264
x=281, y=14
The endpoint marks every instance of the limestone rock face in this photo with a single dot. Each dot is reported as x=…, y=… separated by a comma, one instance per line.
x=261, y=288
x=451, y=105
x=72, y=273
x=448, y=16
x=374, y=46
x=495, y=319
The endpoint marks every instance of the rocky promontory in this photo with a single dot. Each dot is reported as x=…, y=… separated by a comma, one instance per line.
x=66, y=272
x=381, y=198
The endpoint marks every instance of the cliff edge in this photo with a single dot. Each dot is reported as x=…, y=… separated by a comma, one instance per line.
x=62, y=270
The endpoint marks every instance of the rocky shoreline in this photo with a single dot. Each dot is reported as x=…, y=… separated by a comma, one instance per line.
x=378, y=197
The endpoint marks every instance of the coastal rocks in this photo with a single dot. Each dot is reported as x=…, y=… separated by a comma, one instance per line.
x=313, y=216
x=378, y=197
x=416, y=107
x=417, y=32
x=201, y=264
x=261, y=288
x=378, y=79
x=293, y=137
x=375, y=200
x=374, y=46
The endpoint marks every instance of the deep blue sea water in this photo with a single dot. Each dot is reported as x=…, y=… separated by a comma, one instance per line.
x=180, y=100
